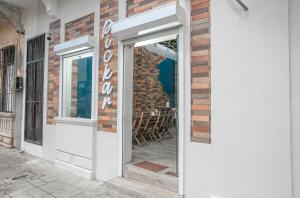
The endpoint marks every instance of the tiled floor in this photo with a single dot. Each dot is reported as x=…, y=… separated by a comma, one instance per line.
x=25, y=176
x=162, y=153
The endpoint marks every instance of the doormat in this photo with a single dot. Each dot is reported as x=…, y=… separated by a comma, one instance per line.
x=150, y=166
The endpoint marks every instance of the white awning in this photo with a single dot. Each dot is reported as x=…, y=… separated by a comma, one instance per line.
x=158, y=19
x=75, y=45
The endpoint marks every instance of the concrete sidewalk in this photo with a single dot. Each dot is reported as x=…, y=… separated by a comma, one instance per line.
x=25, y=176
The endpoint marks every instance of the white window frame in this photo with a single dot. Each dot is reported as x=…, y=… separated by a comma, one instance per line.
x=94, y=105
x=75, y=47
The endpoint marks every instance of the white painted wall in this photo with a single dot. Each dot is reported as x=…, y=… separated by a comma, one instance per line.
x=70, y=7
x=295, y=83
x=107, y=166
x=18, y=119
x=74, y=147
x=250, y=152
x=36, y=21
x=49, y=143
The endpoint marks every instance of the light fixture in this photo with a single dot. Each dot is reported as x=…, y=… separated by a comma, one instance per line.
x=156, y=40
x=75, y=45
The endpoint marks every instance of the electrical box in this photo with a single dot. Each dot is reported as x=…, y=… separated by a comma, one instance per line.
x=19, y=83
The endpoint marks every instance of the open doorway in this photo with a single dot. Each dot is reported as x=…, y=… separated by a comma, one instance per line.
x=150, y=143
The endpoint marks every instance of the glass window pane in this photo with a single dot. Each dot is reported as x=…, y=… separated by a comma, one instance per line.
x=77, y=86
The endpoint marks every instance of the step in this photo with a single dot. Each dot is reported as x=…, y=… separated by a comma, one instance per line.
x=156, y=179
x=122, y=187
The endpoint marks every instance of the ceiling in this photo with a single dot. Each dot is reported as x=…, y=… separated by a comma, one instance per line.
x=2, y=17
x=21, y=3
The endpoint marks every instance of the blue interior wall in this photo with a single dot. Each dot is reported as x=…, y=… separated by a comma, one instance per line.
x=84, y=87
x=167, y=78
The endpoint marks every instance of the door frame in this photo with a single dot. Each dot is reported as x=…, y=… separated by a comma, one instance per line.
x=34, y=149
x=182, y=99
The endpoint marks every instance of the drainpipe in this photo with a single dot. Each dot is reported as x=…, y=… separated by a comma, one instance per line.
x=291, y=97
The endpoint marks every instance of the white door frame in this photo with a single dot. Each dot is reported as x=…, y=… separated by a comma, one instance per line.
x=182, y=99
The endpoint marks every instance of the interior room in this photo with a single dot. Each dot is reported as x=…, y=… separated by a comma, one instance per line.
x=154, y=108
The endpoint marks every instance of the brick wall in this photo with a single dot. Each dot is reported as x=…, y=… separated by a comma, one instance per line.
x=53, y=73
x=200, y=63
x=148, y=92
x=201, y=67
x=107, y=118
x=139, y=6
x=80, y=27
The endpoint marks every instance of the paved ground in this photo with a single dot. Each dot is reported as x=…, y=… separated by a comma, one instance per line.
x=25, y=176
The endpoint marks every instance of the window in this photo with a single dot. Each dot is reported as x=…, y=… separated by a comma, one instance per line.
x=7, y=77
x=77, y=86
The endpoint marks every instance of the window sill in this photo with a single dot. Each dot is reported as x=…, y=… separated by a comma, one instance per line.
x=76, y=121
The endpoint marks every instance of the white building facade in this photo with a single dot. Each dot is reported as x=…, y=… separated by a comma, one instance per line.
x=238, y=93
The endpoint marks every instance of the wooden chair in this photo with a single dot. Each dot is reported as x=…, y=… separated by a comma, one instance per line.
x=152, y=123
x=168, y=124
x=136, y=126
x=142, y=134
x=134, y=121
x=156, y=128
x=165, y=111
x=162, y=122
